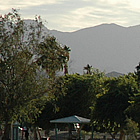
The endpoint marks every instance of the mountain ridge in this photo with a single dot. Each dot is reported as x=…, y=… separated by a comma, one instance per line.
x=96, y=26
x=113, y=74
x=108, y=47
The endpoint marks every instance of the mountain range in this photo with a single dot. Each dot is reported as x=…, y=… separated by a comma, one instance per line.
x=107, y=47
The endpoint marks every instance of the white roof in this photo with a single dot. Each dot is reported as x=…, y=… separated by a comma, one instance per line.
x=71, y=119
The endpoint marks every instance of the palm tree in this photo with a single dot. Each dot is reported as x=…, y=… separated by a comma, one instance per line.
x=54, y=57
x=88, y=69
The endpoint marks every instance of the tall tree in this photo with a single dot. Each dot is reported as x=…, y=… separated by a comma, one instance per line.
x=53, y=56
x=22, y=88
x=134, y=109
x=109, y=112
x=77, y=92
x=18, y=72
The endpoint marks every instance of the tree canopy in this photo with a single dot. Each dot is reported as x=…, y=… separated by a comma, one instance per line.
x=73, y=95
x=22, y=88
x=109, y=112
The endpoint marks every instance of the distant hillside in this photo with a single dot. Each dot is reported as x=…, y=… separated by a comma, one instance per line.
x=113, y=74
x=108, y=47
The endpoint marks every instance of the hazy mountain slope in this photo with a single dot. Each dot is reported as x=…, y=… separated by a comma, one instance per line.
x=113, y=74
x=107, y=47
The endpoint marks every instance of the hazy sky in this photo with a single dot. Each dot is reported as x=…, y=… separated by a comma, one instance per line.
x=71, y=15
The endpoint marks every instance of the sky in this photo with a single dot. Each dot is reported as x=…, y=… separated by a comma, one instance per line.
x=72, y=15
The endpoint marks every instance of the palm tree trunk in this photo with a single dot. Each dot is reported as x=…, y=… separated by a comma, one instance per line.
x=7, y=129
x=39, y=134
x=65, y=69
x=121, y=135
x=35, y=135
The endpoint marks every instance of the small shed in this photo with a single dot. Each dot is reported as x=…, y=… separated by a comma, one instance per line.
x=70, y=120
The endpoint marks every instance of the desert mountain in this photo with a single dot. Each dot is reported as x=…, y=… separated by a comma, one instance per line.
x=114, y=74
x=107, y=47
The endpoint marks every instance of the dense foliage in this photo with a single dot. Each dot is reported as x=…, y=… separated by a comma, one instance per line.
x=22, y=51
x=109, y=112
x=111, y=103
x=72, y=95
